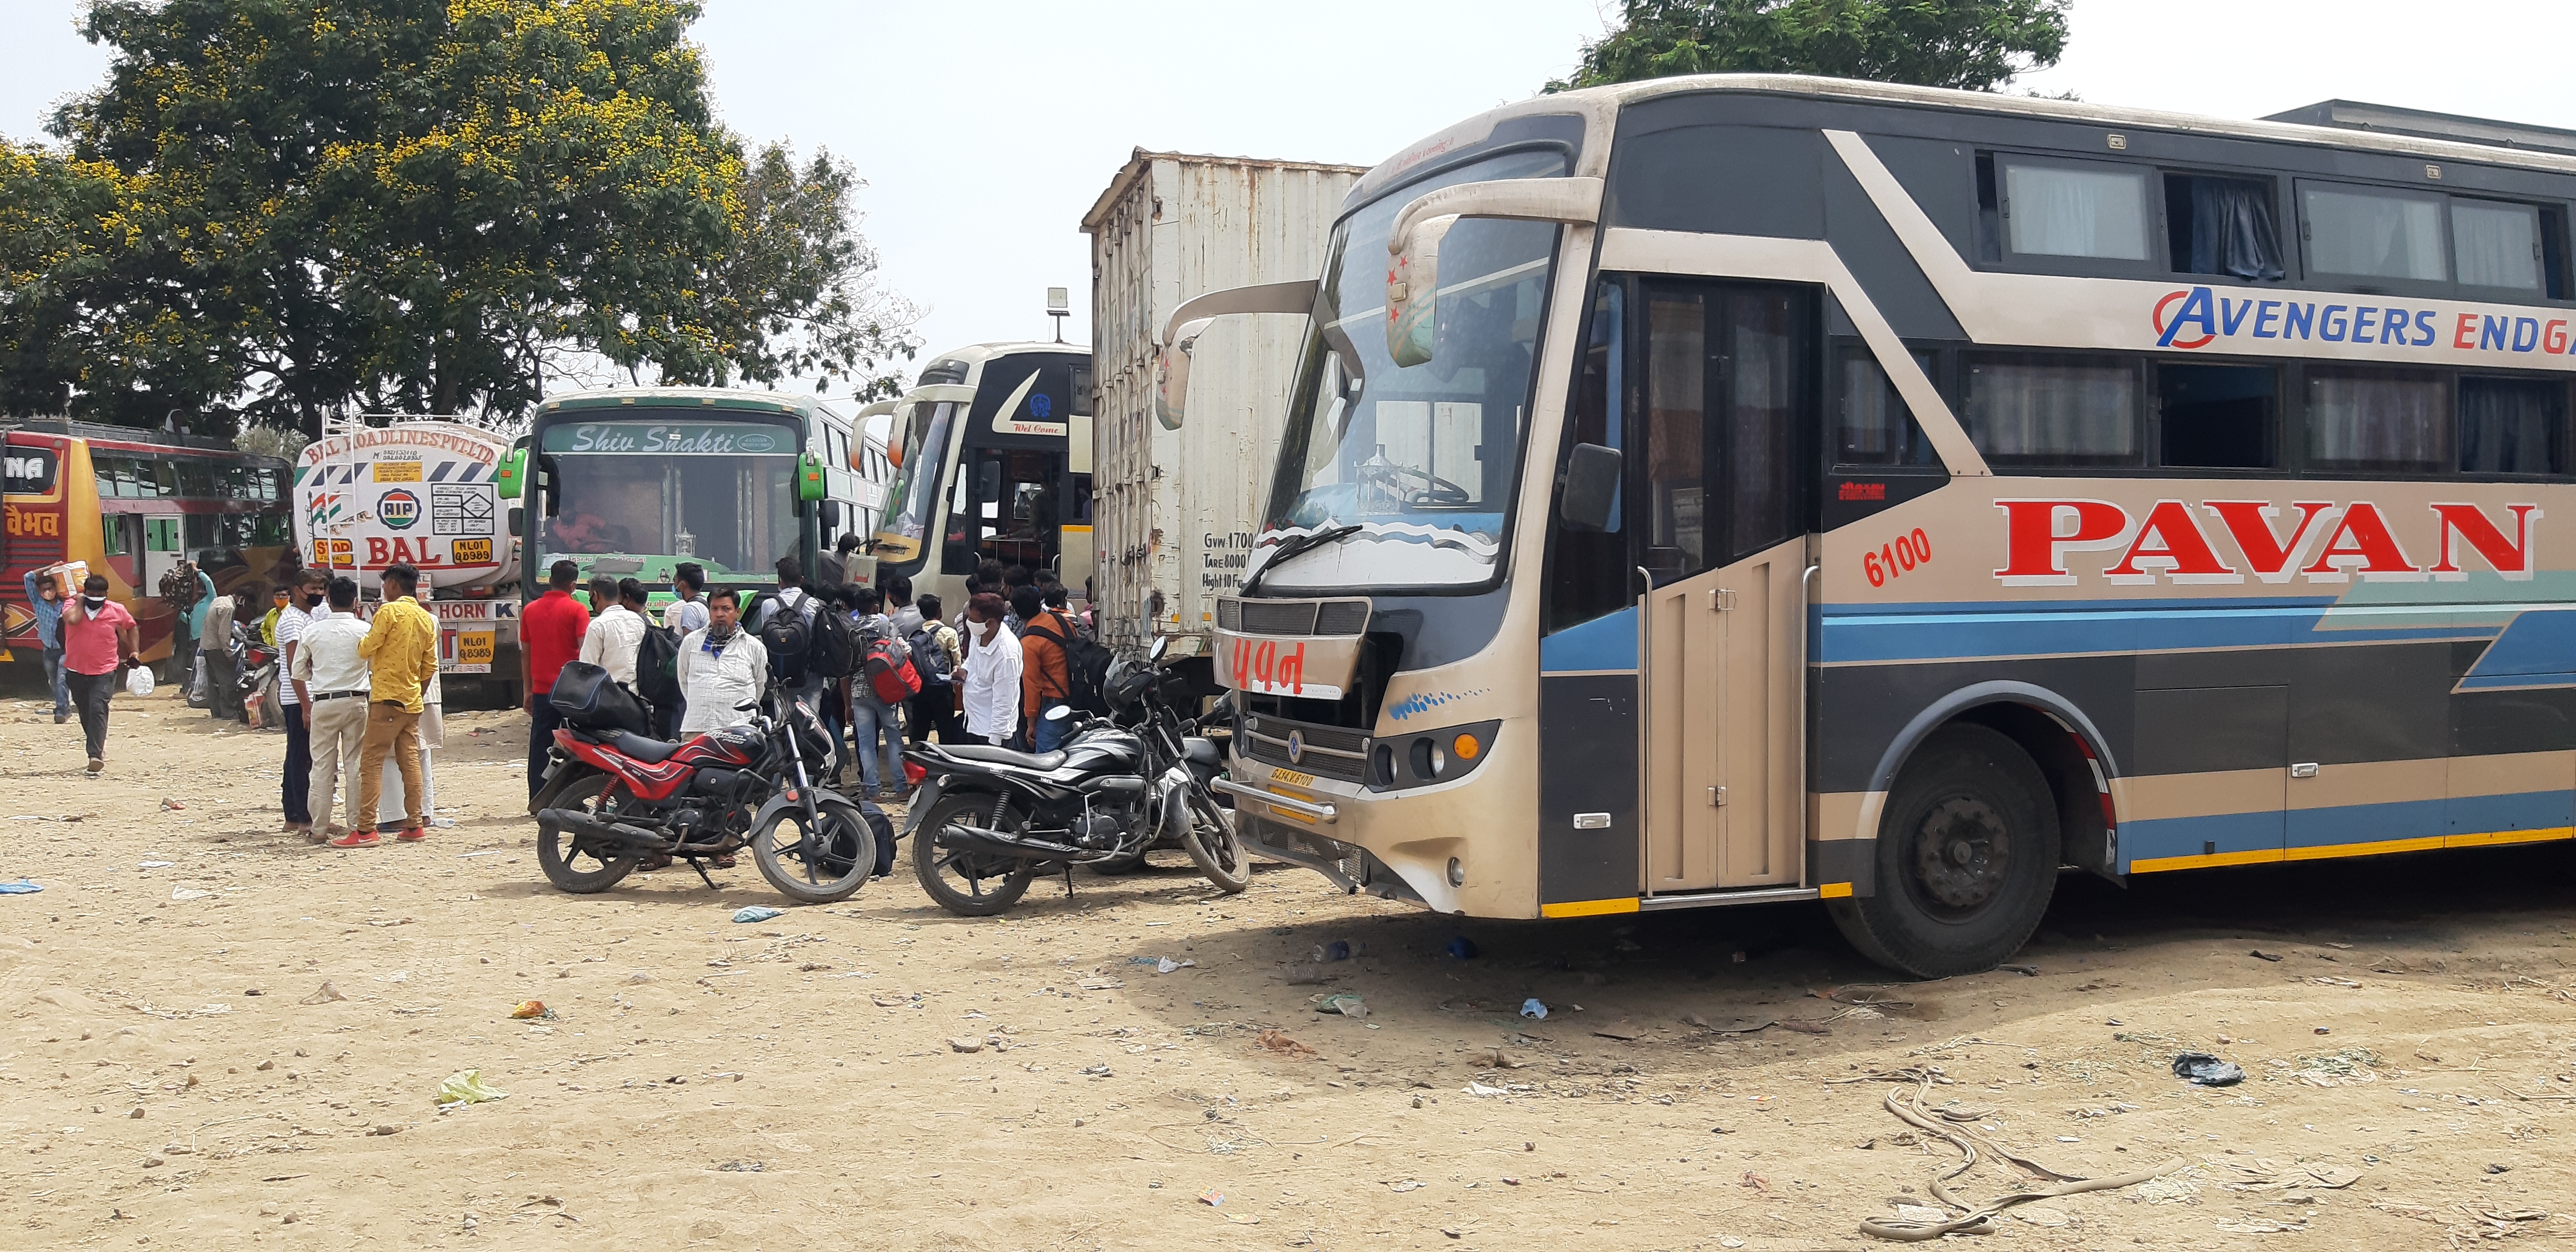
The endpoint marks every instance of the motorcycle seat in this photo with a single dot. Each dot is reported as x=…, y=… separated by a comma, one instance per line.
x=1002, y=756
x=648, y=750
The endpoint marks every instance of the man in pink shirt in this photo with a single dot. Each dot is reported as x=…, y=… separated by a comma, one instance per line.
x=98, y=636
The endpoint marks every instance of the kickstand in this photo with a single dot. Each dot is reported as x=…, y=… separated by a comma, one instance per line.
x=1068, y=880
x=699, y=864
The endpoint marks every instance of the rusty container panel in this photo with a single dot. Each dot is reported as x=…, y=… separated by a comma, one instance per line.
x=1175, y=511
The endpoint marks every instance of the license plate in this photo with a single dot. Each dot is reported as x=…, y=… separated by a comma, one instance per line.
x=1283, y=774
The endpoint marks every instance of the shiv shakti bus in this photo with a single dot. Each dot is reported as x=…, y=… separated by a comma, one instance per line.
x=1732, y=489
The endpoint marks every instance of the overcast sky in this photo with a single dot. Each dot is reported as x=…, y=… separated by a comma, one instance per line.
x=986, y=129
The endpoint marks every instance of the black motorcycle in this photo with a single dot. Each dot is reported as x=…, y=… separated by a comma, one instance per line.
x=989, y=819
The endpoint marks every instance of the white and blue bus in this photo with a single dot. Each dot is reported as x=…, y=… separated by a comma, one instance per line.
x=1729, y=489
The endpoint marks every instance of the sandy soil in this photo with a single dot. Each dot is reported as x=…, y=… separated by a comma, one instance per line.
x=169, y=1078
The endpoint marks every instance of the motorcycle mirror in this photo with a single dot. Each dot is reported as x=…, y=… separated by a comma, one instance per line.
x=1059, y=712
x=1160, y=643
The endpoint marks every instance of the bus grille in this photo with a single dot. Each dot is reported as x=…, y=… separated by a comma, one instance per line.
x=1292, y=617
x=1327, y=751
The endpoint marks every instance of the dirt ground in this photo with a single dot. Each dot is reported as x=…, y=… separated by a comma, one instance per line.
x=174, y=1073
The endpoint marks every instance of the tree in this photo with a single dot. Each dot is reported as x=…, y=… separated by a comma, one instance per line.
x=1975, y=45
x=425, y=205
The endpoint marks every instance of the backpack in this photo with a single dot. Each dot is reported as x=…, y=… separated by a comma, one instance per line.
x=657, y=666
x=1086, y=665
x=929, y=660
x=891, y=672
x=834, y=650
x=786, y=634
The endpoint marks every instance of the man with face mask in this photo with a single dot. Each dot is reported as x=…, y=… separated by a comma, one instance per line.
x=722, y=667
x=98, y=636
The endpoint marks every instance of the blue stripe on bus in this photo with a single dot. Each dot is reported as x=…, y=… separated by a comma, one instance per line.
x=2533, y=643
x=1931, y=632
x=439, y=475
x=2343, y=825
x=1604, y=643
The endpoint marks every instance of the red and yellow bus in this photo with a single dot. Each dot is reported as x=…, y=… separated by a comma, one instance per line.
x=132, y=504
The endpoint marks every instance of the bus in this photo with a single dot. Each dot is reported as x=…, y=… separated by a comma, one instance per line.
x=633, y=482
x=1760, y=488
x=132, y=504
x=992, y=462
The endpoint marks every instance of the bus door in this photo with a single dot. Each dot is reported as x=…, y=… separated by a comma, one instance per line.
x=121, y=535
x=1013, y=505
x=163, y=541
x=1716, y=518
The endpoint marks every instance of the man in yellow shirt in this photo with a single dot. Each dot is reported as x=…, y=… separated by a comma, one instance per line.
x=401, y=649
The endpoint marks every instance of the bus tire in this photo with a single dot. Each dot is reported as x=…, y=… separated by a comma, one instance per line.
x=1966, y=858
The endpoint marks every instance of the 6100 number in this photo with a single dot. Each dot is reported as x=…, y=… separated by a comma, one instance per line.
x=1893, y=559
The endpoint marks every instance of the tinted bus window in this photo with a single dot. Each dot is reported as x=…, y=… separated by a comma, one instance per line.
x=27, y=471
x=2054, y=410
x=2512, y=425
x=2376, y=421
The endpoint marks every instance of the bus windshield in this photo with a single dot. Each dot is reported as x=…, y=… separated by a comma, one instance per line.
x=1419, y=459
x=722, y=494
x=912, y=499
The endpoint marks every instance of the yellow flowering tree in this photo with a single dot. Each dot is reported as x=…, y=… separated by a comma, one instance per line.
x=429, y=206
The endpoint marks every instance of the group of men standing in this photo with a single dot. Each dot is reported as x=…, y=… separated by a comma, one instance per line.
x=721, y=666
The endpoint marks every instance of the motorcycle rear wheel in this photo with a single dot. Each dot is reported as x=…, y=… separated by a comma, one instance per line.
x=1213, y=848
x=819, y=866
x=570, y=868
x=968, y=884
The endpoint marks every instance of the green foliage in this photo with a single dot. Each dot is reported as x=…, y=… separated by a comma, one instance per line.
x=1976, y=45
x=298, y=207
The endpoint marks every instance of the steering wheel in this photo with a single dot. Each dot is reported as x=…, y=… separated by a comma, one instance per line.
x=1435, y=489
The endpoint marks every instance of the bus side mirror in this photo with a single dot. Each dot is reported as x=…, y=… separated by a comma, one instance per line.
x=1413, y=293
x=1181, y=333
x=809, y=478
x=1172, y=376
x=510, y=477
x=1591, y=486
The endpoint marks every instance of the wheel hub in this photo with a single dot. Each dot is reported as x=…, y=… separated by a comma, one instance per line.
x=1961, y=854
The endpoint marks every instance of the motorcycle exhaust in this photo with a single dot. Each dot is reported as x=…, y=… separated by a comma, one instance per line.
x=999, y=843
x=616, y=835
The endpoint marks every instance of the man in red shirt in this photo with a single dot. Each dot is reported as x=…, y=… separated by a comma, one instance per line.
x=98, y=636
x=550, y=631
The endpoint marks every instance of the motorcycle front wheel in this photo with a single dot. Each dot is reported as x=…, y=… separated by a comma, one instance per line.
x=1212, y=846
x=570, y=867
x=969, y=884
x=818, y=864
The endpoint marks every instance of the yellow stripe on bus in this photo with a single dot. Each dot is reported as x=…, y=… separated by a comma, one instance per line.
x=2334, y=851
x=1589, y=908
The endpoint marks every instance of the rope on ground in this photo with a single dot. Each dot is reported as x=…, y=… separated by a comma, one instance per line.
x=1978, y=1219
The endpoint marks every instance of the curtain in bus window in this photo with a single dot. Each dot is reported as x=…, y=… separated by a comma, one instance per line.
x=2054, y=411
x=2498, y=245
x=2512, y=425
x=1676, y=403
x=1873, y=425
x=2053, y=210
x=2374, y=236
x=1762, y=422
x=2377, y=421
x=2231, y=229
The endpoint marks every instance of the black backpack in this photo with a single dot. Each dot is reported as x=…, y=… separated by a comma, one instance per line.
x=929, y=660
x=786, y=634
x=835, y=649
x=657, y=666
x=1086, y=667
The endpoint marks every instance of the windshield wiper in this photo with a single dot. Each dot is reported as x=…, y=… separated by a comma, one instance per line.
x=1301, y=544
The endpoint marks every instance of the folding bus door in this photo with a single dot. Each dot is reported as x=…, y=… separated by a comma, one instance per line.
x=1715, y=510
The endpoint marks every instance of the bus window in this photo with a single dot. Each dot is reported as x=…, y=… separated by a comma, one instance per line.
x=2075, y=209
x=1873, y=426
x=1589, y=571
x=27, y=471
x=2053, y=410
x=161, y=534
x=2513, y=426
x=1674, y=481
x=2216, y=416
x=2378, y=421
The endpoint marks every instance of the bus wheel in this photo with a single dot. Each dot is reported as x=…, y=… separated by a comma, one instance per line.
x=1966, y=858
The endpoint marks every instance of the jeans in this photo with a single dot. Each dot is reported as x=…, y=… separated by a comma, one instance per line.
x=542, y=724
x=54, y=678
x=878, y=738
x=295, y=790
x=1050, y=735
x=89, y=694
x=391, y=731
x=337, y=729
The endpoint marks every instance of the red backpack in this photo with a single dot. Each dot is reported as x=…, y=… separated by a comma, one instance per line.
x=890, y=672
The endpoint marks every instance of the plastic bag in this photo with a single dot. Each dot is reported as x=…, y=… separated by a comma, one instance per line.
x=138, y=681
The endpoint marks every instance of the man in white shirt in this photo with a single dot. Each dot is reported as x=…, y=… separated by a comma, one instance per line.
x=992, y=672
x=617, y=633
x=297, y=784
x=681, y=616
x=331, y=682
x=722, y=668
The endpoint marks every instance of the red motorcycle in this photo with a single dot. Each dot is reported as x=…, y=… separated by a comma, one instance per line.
x=612, y=797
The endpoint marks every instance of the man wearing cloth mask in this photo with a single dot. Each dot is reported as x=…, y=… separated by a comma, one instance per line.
x=98, y=636
x=992, y=673
x=48, y=607
x=722, y=667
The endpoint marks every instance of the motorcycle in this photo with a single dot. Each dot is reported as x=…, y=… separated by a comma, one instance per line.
x=988, y=819
x=612, y=796
x=254, y=664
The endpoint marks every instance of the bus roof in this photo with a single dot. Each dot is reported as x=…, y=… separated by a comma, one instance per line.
x=665, y=397
x=1599, y=107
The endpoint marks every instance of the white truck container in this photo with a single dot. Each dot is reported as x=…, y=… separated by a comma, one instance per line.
x=1175, y=511
x=420, y=492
